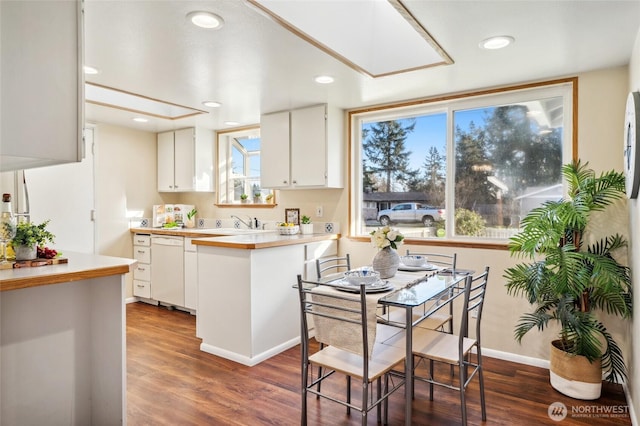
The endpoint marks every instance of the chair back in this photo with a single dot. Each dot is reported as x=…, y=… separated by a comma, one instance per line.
x=438, y=259
x=474, y=292
x=343, y=320
x=334, y=264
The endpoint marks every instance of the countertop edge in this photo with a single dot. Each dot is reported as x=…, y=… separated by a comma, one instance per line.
x=240, y=242
x=81, y=266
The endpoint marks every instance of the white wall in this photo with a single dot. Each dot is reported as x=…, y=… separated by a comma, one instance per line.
x=125, y=171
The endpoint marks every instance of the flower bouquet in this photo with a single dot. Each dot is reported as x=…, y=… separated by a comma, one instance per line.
x=386, y=237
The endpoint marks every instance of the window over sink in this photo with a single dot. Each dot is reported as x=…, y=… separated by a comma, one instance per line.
x=239, y=169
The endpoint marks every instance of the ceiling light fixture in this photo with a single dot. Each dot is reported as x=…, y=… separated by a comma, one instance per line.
x=212, y=104
x=324, y=79
x=231, y=123
x=140, y=120
x=497, y=42
x=90, y=70
x=206, y=20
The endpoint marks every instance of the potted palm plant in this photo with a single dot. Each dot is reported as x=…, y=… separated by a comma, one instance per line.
x=568, y=280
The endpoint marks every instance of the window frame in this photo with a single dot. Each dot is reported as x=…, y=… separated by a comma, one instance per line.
x=223, y=172
x=566, y=87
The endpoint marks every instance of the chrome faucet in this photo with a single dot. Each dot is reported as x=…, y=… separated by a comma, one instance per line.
x=247, y=224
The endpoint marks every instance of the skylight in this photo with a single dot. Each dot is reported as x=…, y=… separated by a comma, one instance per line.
x=375, y=37
x=114, y=98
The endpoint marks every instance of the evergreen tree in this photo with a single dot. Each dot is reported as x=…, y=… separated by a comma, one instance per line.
x=524, y=156
x=473, y=166
x=434, y=176
x=385, y=152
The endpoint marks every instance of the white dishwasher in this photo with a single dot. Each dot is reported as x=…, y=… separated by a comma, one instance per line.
x=167, y=270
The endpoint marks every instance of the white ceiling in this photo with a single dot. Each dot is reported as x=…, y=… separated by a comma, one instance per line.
x=252, y=65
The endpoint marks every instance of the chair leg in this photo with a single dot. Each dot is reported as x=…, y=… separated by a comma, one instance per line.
x=320, y=373
x=431, y=377
x=379, y=406
x=463, y=379
x=386, y=400
x=481, y=381
x=305, y=381
x=348, y=394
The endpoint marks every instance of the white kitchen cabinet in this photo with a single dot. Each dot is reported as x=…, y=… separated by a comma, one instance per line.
x=42, y=112
x=190, y=275
x=302, y=148
x=142, y=271
x=185, y=161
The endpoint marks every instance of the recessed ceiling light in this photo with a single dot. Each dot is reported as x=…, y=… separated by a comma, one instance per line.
x=324, y=79
x=206, y=19
x=497, y=42
x=212, y=104
x=231, y=123
x=90, y=70
x=140, y=120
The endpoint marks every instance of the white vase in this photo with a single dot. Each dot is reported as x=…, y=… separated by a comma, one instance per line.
x=25, y=252
x=386, y=262
x=306, y=228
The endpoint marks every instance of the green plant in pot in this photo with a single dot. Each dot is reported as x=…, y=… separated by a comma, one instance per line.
x=306, y=227
x=568, y=280
x=28, y=237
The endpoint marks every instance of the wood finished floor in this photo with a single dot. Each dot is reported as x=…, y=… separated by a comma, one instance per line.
x=171, y=382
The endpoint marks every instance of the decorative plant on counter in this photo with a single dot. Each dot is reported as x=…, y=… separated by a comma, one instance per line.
x=31, y=235
x=567, y=279
x=305, y=220
x=243, y=198
x=30, y=241
x=191, y=214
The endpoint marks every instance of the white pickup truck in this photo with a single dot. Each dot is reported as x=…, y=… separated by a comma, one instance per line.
x=411, y=213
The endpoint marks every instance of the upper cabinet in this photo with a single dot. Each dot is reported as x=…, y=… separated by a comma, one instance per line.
x=302, y=148
x=185, y=161
x=42, y=83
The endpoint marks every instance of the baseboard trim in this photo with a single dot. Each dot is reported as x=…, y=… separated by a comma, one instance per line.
x=245, y=360
x=520, y=359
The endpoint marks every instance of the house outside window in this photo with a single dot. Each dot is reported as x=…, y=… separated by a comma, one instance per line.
x=484, y=161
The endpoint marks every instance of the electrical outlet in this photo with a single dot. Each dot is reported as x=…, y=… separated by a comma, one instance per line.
x=319, y=211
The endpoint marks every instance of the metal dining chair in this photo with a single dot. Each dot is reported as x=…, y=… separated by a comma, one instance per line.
x=456, y=350
x=347, y=322
x=334, y=264
x=440, y=318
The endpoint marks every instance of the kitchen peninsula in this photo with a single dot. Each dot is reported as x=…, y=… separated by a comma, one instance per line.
x=63, y=342
x=248, y=310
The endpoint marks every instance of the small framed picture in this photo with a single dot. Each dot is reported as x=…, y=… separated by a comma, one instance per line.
x=292, y=216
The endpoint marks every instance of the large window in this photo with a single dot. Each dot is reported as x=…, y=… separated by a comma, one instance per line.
x=467, y=168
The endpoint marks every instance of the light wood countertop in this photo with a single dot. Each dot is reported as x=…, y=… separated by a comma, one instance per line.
x=81, y=266
x=208, y=237
x=261, y=241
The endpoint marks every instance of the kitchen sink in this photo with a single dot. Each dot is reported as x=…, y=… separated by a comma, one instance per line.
x=231, y=231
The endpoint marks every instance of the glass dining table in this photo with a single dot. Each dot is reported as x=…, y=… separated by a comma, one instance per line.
x=420, y=295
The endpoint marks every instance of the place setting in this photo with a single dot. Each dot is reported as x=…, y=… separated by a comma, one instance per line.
x=352, y=281
x=415, y=263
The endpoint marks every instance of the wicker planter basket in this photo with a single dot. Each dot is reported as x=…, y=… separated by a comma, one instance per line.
x=574, y=376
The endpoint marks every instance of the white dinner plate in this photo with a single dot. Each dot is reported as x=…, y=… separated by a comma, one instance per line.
x=426, y=267
x=378, y=287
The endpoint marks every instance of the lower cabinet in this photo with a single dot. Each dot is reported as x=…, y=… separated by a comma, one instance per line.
x=190, y=275
x=167, y=271
x=142, y=271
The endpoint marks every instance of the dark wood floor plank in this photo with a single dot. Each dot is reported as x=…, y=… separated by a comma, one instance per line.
x=171, y=382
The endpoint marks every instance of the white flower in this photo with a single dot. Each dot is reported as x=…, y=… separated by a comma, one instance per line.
x=386, y=237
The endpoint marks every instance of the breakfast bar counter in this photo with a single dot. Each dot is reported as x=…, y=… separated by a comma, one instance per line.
x=62, y=342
